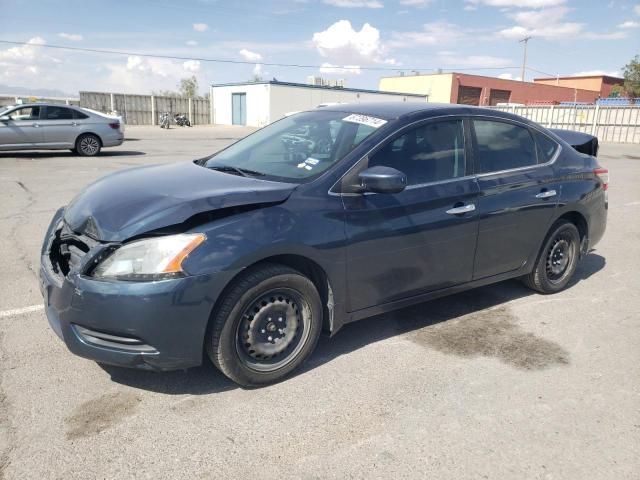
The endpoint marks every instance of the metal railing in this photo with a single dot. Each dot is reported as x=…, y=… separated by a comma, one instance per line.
x=620, y=124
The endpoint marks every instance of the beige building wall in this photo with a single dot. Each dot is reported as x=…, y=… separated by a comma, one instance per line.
x=437, y=87
x=586, y=83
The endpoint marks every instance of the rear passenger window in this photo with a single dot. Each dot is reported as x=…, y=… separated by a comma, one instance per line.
x=429, y=153
x=503, y=146
x=79, y=115
x=59, y=113
x=546, y=147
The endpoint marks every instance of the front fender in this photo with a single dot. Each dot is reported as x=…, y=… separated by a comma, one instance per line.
x=308, y=228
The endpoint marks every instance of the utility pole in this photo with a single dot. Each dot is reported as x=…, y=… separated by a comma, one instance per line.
x=525, y=40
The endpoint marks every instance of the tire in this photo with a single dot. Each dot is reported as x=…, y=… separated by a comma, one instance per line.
x=244, y=339
x=88, y=145
x=557, y=259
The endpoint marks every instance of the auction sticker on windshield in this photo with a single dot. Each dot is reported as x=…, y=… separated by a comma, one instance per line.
x=365, y=120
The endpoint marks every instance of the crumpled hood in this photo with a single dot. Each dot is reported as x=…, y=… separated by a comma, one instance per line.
x=138, y=200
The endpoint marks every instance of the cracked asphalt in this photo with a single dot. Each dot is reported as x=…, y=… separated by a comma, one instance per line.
x=494, y=383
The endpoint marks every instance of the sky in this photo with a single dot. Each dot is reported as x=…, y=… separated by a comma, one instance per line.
x=358, y=40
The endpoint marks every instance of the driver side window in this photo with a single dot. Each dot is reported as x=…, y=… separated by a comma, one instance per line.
x=25, y=113
x=431, y=152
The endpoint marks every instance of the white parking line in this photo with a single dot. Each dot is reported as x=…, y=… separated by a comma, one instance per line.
x=21, y=311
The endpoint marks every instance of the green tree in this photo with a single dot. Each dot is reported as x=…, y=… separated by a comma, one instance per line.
x=189, y=87
x=631, y=73
x=617, y=91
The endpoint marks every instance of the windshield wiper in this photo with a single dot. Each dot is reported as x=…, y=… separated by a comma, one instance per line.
x=243, y=172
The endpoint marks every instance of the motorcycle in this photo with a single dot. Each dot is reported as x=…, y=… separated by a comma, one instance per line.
x=165, y=120
x=181, y=120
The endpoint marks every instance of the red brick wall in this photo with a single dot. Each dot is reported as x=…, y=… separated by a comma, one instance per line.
x=521, y=92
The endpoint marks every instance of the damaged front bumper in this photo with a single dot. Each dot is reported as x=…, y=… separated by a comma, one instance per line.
x=157, y=325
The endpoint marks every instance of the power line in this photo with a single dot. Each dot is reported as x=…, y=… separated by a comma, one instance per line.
x=239, y=62
x=543, y=73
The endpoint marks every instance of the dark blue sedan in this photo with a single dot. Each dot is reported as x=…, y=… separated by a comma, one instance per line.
x=320, y=219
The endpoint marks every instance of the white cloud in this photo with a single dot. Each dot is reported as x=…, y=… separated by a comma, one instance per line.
x=191, y=66
x=22, y=52
x=514, y=33
x=200, y=27
x=355, y=3
x=637, y=9
x=192, y=43
x=539, y=18
x=257, y=69
x=629, y=24
x=452, y=59
x=517, y=3
x=345, y=70
x=435, y=33
x=342, y=44
x=250, y=56
x=142, y=75
x=606, y=35
x=416, y=3
x=509, y=76
x=548, y=23
x=24, y=62
x=74, y=37
x=590, y=73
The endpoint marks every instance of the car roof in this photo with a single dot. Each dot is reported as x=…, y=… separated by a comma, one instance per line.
x=43, y=104
x=400, y=110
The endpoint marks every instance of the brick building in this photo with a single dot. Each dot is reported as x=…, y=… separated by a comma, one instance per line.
x=597, y=83
x=484, y=91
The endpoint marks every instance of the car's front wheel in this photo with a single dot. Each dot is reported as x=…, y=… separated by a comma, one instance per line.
x=557, y=259
x=266, y=325
x=88, y=145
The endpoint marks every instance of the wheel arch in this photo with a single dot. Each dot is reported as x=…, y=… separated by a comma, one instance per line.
x=308, y=268
x=89, y=132
x=581, y=223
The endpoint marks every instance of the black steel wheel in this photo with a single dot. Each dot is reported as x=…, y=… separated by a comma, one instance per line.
x=88, y=145
x=557, y=259
x=267, y=324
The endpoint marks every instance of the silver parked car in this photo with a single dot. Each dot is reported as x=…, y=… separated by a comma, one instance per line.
x=42, y=126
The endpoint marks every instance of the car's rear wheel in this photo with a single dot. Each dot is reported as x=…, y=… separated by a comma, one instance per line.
x=88, y=145
x=267, y=325
x=557, y=259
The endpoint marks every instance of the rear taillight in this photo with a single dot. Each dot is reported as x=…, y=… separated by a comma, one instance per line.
x=115, y=125
x=603, y=175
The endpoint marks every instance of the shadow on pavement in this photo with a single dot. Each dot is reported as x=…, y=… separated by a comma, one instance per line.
x=207, y=379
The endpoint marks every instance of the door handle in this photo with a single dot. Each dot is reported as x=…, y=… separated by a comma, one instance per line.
x=547, y=194
x=74, y=124
x=36, y=125
x=462, y=209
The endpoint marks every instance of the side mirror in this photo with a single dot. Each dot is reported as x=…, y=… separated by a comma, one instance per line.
x=5, y=118
x=382, y=180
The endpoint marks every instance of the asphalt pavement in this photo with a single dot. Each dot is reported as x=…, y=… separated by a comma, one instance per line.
x=494, y=383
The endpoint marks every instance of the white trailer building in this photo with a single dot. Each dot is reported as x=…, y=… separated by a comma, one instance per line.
x=257, y=104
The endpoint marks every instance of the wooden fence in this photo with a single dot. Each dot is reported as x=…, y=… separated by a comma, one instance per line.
x=146, y=109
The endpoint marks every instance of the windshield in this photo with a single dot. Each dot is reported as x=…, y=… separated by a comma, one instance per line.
x=5, y=108
x=297, y=147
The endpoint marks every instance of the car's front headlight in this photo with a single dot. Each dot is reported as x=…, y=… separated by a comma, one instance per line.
x=149, y=259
